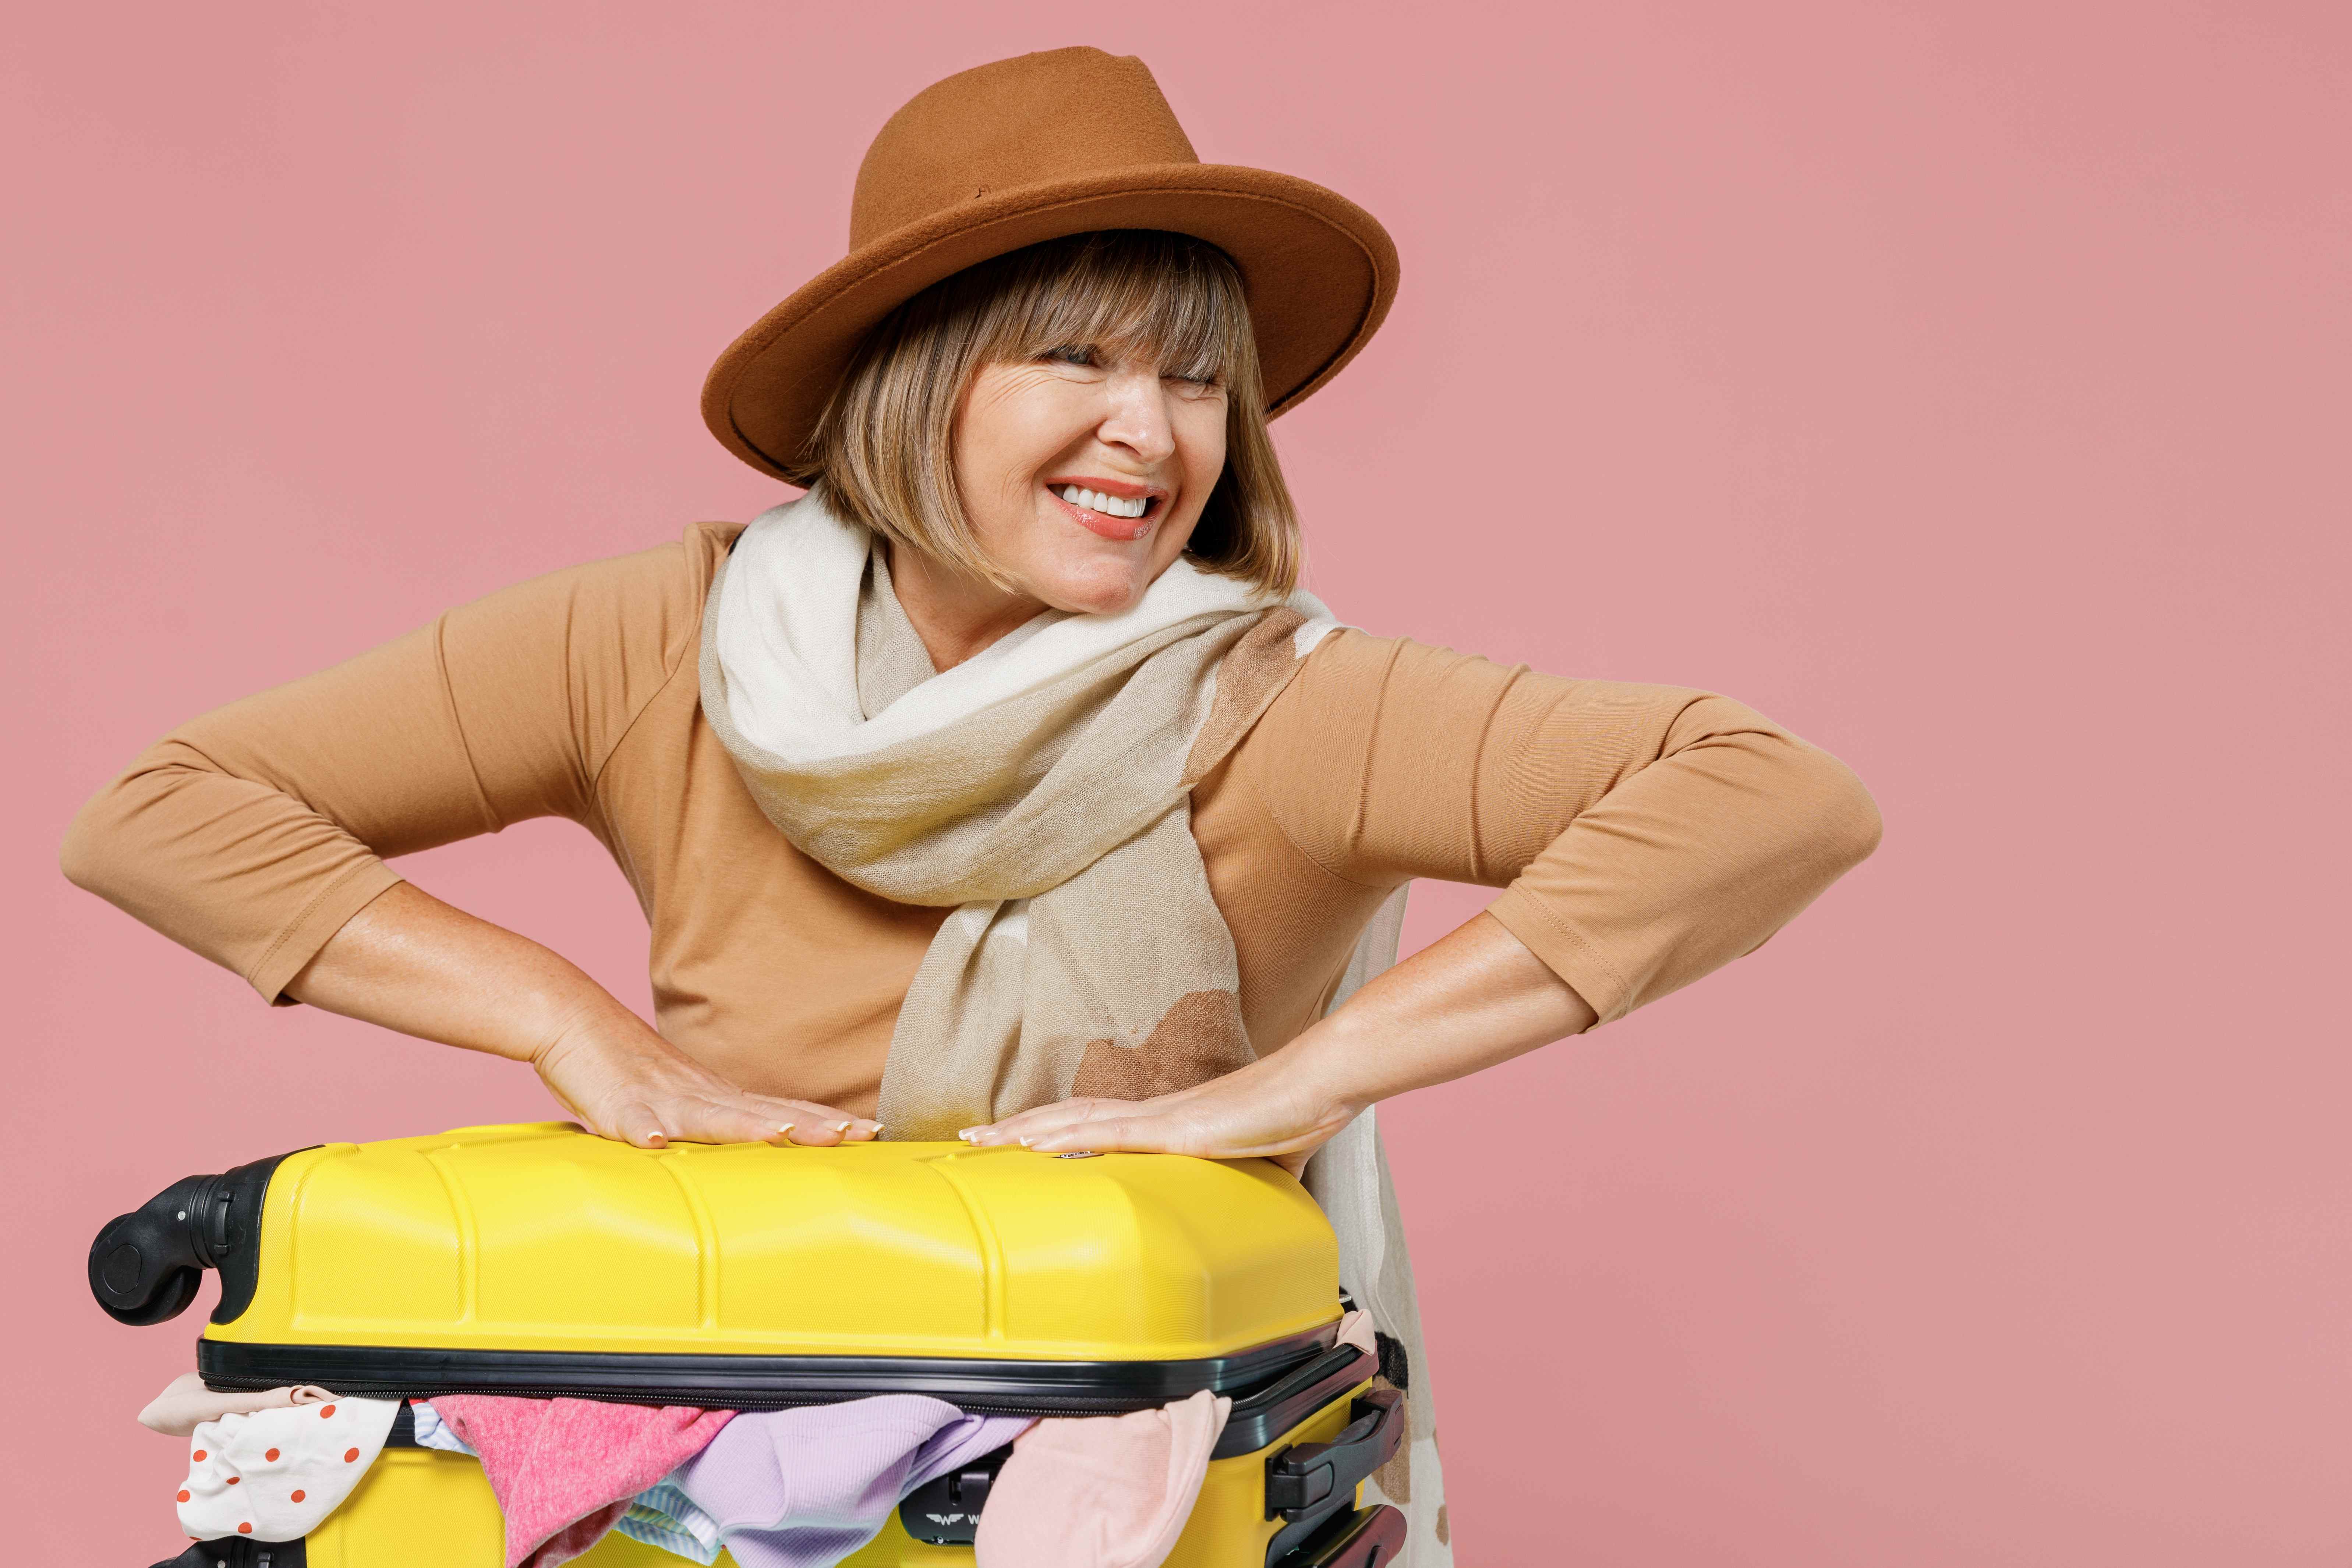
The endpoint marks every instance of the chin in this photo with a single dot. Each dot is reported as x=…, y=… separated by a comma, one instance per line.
x=1105, y=595
x=1101, y=601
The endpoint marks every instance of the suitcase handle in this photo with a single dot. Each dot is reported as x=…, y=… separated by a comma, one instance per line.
x=1367, y=1538
x=1301, y=1478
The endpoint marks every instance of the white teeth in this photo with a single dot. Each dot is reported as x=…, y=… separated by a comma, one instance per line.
x=1110, y=506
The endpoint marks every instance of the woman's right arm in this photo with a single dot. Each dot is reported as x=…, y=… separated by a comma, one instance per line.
x=411, y=962
x=257, y=836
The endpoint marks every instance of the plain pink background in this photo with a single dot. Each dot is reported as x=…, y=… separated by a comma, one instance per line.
x=1965, y=385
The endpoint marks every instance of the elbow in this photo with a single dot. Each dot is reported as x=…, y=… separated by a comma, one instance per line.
x=1844, y=821
x=1810, y=806
x=111, y=843
x=89, y=853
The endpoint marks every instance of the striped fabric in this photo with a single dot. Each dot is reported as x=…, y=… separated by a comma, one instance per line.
x=665, y=1517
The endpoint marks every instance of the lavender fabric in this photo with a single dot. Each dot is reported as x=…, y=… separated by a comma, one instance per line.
x=805, y=1488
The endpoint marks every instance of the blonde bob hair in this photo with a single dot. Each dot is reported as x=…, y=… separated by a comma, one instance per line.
x=883, y=451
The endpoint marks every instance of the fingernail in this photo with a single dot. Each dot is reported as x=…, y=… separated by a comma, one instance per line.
x=1024, y=1142
x=785, y=1132
x=841, y=1127
x=965, y=1135
x=878, y=1129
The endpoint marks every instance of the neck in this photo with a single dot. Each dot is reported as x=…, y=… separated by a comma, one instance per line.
x=956, y=614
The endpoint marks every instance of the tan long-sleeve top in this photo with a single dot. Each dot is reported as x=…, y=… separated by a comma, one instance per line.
x=1642, y=835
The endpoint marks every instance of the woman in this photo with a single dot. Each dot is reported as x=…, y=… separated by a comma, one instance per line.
x=1002, y=787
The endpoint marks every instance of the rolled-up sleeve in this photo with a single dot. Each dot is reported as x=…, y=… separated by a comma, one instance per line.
x=252, y=834
x=1643, y=835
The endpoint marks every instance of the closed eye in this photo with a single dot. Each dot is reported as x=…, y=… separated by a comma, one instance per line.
x=1071, y=354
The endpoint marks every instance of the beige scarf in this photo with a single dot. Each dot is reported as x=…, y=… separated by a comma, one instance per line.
x=1043, y=789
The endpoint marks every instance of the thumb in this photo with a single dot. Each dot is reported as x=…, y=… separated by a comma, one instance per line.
x=634, y=1122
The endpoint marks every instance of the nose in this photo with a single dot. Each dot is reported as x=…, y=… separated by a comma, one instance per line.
x=1136, y=417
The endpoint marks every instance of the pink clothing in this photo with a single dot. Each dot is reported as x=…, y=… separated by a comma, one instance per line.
x=1102, y=1492
x=565, y=1469
x=186, y=1404
x=1111, y=1492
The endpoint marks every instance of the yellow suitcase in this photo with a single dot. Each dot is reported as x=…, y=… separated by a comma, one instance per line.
x=541, y=1261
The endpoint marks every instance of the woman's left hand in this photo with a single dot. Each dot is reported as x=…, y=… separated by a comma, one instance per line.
x=1475, y=998
x=1275, y=1109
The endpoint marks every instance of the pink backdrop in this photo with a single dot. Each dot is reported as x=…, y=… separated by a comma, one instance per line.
x=1964, y=385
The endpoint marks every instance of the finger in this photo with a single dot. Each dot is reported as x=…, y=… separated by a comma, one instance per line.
x=815, y=1134
x=833, y=1127
x=816, y=1127
x=636, y=1123
x=803, y=1129
x=718, y=1122
x=806, y=1116
x=1149, y=1132
x=1045, y=1118
x=1107, y=1133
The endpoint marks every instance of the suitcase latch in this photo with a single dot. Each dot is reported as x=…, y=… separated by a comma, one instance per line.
x=946, y=1511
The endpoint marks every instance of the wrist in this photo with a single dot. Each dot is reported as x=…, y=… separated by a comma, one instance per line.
x=1326, y=1065
x=565, y=1025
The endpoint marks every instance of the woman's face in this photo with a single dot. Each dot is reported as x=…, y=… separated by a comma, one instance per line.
x=1032, y=439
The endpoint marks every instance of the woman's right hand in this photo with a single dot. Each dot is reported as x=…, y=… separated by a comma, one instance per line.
x=625, y=1082
x=411, y=962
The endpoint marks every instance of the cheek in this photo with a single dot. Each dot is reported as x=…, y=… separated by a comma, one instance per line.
x=1201, y=438
x=986, y=436
x=989, y=471
x=1011, y=425
x=1201, y=455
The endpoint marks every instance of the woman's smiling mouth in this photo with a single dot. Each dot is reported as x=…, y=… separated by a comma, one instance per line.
x=1108, y=507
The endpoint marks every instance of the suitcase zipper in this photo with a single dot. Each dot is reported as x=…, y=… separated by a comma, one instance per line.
x=737, y=1381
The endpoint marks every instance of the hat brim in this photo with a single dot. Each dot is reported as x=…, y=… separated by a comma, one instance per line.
x=1318, y=271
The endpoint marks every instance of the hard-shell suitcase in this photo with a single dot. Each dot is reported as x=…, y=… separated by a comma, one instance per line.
x=538, y=1260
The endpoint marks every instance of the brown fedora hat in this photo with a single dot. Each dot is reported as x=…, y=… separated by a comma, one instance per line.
x=1031, y=149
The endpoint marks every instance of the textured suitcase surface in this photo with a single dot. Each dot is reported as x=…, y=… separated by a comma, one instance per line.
x=540, y=1260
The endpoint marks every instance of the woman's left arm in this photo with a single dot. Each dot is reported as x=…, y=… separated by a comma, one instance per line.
x=1473, y=998
x=1647, y=833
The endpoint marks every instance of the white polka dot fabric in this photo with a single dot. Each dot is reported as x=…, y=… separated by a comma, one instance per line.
x=274, y=1474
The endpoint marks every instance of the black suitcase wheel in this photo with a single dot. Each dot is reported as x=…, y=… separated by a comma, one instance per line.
x=241, y=1551
x=145, y=1266
x=1367, y=1538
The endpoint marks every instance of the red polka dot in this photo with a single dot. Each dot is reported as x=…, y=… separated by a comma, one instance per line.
x=234, y=1479
x=298, y=1494
x=350, y=1454
x=271, y=1455
x=325, y=1411
x=200, y=1454
x=245, y=1530
x=184, y=1496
